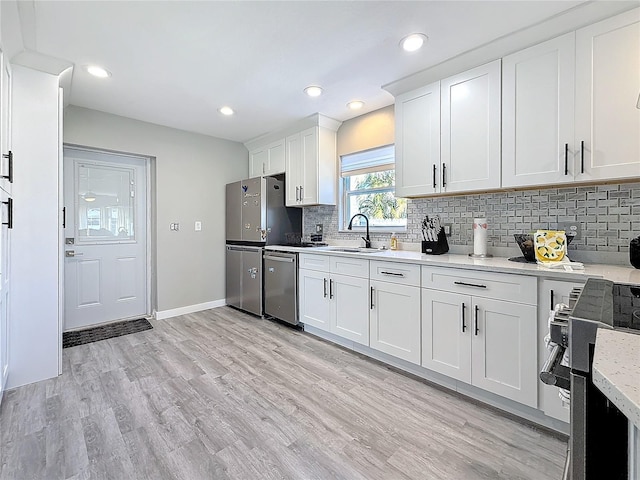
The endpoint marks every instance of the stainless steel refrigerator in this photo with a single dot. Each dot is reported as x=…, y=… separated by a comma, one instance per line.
x=256, y=216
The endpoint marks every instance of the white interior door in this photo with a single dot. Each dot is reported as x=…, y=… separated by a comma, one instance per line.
x=105, y=237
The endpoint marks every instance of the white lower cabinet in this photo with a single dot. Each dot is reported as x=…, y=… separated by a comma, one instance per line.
x=487, y=342
x=335, y=302
x=395, y=310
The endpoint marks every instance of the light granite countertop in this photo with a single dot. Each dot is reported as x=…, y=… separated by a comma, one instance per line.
x=616, y=370
x=615, y=273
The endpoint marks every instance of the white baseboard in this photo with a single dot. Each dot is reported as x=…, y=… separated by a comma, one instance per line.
x=174, y=312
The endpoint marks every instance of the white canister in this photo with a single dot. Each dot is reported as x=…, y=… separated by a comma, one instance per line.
x=480, y=236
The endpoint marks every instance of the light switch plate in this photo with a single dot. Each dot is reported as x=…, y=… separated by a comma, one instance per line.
x=198, y=226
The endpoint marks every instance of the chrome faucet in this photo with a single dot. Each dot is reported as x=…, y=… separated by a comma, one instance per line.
x=367, y=240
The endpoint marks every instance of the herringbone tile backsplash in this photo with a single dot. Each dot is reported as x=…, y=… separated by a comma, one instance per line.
x=609, y=216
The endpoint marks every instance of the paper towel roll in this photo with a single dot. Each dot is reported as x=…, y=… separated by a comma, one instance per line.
x=479, y=236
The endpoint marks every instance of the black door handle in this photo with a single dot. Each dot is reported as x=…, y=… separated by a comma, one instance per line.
x=330, y=288
x=582, y=156
x=551, y=306
x=464, y=327
x=9, y=204
x=476, y=320
x=324, y=282
x=9, y=156
x=371, y=298
x=444, y=180
x=566, y=159
x=434, y=175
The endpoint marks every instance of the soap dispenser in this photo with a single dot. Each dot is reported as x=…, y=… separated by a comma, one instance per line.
x=393, y=245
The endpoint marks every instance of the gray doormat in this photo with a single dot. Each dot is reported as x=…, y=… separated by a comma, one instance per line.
x=103, y=332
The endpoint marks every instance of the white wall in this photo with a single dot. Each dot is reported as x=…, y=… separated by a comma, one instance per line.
x=34, y=341
x=191, y=172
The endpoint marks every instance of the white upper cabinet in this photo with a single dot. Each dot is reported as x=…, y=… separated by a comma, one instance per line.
x=470, y=126
x=538, y=114
x=607, y=98
x=267, y=160
x=418, y=166
x=311, y=166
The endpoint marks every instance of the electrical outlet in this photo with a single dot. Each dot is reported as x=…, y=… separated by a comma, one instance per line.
x=174, y=226
x=447, y=229
x=198, y=226
x=319, y=228
x=571, y=229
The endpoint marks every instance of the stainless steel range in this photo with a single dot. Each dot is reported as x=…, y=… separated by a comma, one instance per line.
x=598, y=437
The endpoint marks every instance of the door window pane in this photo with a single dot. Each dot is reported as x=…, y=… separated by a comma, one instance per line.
x=105, y=203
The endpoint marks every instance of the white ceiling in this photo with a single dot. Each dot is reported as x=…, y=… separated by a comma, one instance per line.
x=175, y=63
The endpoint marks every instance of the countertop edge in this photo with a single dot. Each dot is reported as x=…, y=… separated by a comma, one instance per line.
x=616, y=370
x=615, y=273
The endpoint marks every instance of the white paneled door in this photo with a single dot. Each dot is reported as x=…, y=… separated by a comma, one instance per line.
x=105, y=232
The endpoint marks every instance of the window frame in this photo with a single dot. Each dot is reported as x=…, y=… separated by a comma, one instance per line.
x=345, y=194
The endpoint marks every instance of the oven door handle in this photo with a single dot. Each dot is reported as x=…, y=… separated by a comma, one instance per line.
x=552, y=372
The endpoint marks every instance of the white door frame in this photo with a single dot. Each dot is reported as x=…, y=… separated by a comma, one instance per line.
x=150, y=260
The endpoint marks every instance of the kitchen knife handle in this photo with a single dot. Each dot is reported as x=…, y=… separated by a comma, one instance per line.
x=476, y=319
x=324, y=281
x=464, y=327
x=444, y=178
x=566, y=159
x=372, y=298
x=434, y=175
x=330, y=288
x=582, y=156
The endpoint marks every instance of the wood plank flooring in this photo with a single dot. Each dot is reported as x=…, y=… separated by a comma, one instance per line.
x=224, y=395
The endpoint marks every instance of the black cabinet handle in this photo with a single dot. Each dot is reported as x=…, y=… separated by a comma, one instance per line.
x=9, y=204
x=477, y=285
x=444, y=180
x=10, y=157
x=582, y=156
x=434, y=175
x=551, y=306
x=324, y=281
x=566, y=159
x=371, y=298
x=64, y=217
x=476, y=320
x=330, y=288
x=464, y=327
x=393, y=274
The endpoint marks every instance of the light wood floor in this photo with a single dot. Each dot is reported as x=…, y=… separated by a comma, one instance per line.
x=223, y=395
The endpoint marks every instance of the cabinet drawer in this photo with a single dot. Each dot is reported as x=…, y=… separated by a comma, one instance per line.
x=319, y=263
x=501, y=286
x=355, y=267
x=403, y=273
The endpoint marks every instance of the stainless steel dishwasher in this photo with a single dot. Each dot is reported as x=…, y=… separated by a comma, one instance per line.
x=281, y=286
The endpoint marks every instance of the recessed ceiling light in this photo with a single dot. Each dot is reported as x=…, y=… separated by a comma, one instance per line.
x=413, y=42
x=97, y=71
x=226, y=110
x=355, y=104
x=313, y=91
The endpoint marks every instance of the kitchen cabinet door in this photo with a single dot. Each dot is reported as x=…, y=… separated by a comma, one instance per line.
x=267, y=160
x=551, y=292
x=395, y=320
x=607, y=98
x=313, y=296
x=470, y=127
x=6, y=167
x=538, y=114
x=309, y=166
x=418, y=167
x=293, y=169
x=257, y=162
x=350, y=309
x=503, y=349
x=446, y=333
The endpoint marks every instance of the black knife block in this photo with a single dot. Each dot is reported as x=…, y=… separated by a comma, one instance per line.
x=437, y=247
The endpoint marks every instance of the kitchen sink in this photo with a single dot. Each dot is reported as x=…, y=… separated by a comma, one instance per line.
x=352, y=249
